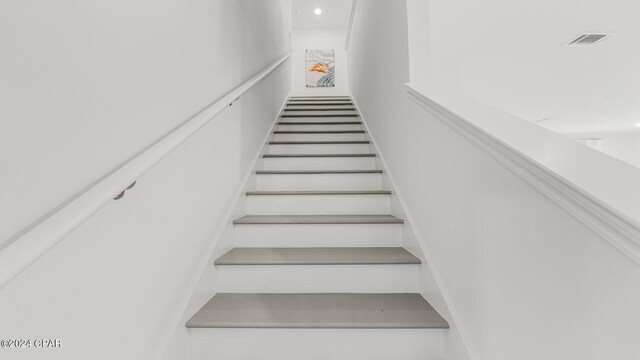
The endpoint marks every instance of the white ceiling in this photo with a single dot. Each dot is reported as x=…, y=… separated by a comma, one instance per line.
x=335, y=14
x=511, y=54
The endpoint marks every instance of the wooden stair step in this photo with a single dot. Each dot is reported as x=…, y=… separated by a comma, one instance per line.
x=318, y=192
x=266, y=156
x=320, y=132
x=346, y=142
x=340, y=311
x=320, y=123
x=322, y=109
x=319, y=104
x=316, y=172
x=318, y=256
x=317, y=115
x=318, y=219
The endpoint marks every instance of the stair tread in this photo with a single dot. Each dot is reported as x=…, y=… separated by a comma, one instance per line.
x=325, y=109
x=317, y=256
x=318, y=115
x=346, y=142
x=320, y=132
x=317, y=155
x=315, y=172
x=312, y=192
x=321, y=123
x=293, y=101
x=320, y=99
x=346, y=311
x=332, y=103
x=318, y=219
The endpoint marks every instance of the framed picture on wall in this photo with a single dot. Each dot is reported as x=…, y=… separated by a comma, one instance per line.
x=320, y=65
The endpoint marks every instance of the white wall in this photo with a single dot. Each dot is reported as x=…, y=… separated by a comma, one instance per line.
x=319, y=39
x=522, y=278
x=85, y=86
x=386, y=22
x=420, y=64
x=498, y=52
x=623, y=146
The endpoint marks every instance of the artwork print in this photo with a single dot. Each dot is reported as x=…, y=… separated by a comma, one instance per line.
x=320, y=68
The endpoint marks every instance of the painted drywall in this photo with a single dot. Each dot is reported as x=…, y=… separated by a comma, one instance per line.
x=514, y=56
x=420, y=65
x=386, y=22
x=623, y=146
x=522, y=278
x=319, y=39
x=87, y=85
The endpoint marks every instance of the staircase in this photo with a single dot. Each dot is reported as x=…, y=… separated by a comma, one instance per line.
x=318, y=270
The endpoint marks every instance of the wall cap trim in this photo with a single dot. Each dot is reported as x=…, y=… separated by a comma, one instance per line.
x=619, y=230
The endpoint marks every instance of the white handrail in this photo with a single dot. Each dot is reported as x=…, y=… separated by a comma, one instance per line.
x=41, y=237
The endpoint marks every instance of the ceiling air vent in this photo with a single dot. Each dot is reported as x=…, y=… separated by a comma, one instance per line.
x=588, y=39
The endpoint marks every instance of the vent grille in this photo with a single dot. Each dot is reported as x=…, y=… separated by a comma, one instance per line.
x=588, y=39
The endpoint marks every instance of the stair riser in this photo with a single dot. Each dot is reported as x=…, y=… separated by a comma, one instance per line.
x=322, y=103
x=341, y=127
x=313, y=110
x=317, y=344
x=266, y=182
x=325, y=279
x=325, y=104
x=318, y=137
x=318, y=235
x=313, y=114
x=319, y=101
x=319, y=116
x=320, y=163
x=320, y=149
x=320, y=119
x=318, y=205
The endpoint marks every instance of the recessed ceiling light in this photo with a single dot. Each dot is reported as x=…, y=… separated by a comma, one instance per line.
x=638, y=125
x=317, y=11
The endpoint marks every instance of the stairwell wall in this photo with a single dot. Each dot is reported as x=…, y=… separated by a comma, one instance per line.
x=521, y=276
x=379, y=41
x=86, y=85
